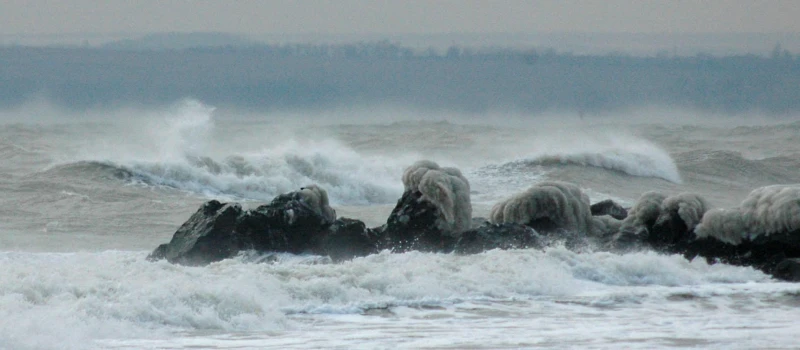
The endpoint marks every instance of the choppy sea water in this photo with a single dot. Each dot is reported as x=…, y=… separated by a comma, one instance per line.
x=83, y=201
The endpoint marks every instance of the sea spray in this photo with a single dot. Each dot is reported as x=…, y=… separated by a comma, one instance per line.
x=181, y=148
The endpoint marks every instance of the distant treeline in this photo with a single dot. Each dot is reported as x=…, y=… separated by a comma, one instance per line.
x=268, y=77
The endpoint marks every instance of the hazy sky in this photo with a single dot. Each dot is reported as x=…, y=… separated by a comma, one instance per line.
x=397, y=16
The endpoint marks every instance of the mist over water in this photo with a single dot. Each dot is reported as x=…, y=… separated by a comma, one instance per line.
x=86, y=196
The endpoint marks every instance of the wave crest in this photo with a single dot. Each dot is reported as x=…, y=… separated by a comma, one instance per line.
x=182, y=148
x=636, y=164
x=353, y=181
x=611, y=149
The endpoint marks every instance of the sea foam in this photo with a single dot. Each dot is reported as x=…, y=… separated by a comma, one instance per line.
x=115, y=295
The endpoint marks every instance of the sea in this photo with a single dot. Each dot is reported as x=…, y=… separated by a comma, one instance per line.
x=86, y=196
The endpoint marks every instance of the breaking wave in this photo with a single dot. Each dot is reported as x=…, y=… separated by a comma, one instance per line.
x=118, y=294
x=645, y=164
x=181, y=149
x=611, y=150
x=347, y=177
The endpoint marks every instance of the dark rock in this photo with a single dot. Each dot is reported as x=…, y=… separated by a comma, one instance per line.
x=610, y=208
x=413, y=214
x=346, y=239
x=788, y=270
x=544, y=225
x=570, y=239
x=765, y=252
x=287, y=224
x=712, y=250
x=412, y=225
x=628, y=239
x=206, y=237
x=670, y=234
x=219, y=231
x=668, y=231
x=497, y=236
x=479, y=221
x=254, y=228
x=289, y=217
x=159, y=253
x=789, y=240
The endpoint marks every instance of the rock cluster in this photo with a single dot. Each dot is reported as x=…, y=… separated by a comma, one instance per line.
x=303, y=222
x=671, y=227
x=219, y=231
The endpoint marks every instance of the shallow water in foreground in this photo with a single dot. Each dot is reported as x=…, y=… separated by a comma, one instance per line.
x=518, y=298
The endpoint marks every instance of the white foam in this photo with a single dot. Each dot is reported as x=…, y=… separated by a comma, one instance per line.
x=181, y=148
x=119, y=295
x=349, y=178
x=614, y=151
x=64, y=300
x=495, y=182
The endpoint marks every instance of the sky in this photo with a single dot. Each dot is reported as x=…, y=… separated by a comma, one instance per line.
x=41, y=17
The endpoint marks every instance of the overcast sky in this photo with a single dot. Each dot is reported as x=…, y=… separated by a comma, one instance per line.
x=398, y=16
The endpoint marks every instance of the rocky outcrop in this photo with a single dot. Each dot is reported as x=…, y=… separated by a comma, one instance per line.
x=288, y=216
x=346, y=239
x=302, y=222
x=413, y=225
x=446, y=189
x=668, y=224
x=763, y=252
x=207, y=236
x=546, y=206
x=788, y=270
x=610, y=208
x=219, y=231
x=659, y=222
x=669, y=232
x=497, y=236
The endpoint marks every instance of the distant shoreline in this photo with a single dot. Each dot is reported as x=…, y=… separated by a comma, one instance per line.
x=579, y=43
x=309, y=76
